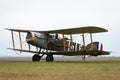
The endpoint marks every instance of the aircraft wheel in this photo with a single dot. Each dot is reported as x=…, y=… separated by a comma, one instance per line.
x=49, y=58
x=36, y=58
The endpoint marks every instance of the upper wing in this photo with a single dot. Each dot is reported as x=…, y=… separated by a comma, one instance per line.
x=87, y=29
x=21, y=30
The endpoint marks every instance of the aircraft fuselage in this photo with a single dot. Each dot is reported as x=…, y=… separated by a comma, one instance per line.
x=49, y=42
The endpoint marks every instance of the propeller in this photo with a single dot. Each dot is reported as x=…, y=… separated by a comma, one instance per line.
x=28, y=40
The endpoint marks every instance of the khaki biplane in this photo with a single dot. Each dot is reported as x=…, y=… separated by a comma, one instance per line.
x=49, y=43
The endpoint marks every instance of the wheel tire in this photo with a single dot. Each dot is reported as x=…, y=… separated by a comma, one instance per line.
x=36, y=58
x=49, y=58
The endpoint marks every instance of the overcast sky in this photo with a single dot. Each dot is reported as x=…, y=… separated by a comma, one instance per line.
x=58, y=14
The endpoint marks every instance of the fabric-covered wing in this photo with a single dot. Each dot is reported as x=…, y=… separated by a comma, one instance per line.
x=69, y=53
x=21, y=30
x=87, y=29
x=84, y=52
x=21, y=50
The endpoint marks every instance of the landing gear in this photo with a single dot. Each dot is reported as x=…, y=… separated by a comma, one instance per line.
x=49, y=58
x=36, y=58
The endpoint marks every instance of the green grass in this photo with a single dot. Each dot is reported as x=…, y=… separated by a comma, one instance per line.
x=90, y=70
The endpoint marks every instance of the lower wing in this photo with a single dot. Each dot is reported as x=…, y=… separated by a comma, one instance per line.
x=69, y=53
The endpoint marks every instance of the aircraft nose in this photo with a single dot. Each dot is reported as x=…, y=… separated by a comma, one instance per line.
x=30, y=37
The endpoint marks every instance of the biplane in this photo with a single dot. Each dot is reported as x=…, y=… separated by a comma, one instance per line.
x=50, y=43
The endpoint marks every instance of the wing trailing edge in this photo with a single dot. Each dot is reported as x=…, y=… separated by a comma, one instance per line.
x=69, y=53
x=78, y=30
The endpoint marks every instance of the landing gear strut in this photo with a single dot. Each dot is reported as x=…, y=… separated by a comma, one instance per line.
x=37, y=57
x=83, y=58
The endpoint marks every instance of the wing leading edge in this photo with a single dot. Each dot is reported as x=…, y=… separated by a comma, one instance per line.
x=83, y=52
x=87, y=29
x=69, y=53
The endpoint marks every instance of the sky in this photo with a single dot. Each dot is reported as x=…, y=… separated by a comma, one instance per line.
x=60, y=14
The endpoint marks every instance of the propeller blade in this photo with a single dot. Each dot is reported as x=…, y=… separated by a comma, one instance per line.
x=30, y=39
x=27, y=40
x=21, y=42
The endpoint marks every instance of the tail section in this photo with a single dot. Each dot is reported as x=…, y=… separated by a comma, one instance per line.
x=101, y=47
x=95, y=46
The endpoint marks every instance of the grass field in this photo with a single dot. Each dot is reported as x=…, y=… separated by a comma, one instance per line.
x=90, y=70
